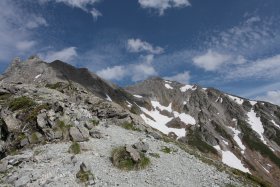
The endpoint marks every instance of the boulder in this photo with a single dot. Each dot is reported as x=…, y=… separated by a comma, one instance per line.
x=135, y=155
x=3, y=166
x=11, y=122
x=24, y=142
x=42, y=120
x=79, y=134
x=95, y=134
x=141, y=146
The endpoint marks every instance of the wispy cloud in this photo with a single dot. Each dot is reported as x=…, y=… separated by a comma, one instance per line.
x=183, y=78
x=66, y=55
x=85, y=5
x=161, y=5
x=17, y=28
x=113, y=73
x=271, y=96
x=137, y=45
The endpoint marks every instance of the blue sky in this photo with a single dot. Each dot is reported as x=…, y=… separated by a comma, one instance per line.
x=232, y=45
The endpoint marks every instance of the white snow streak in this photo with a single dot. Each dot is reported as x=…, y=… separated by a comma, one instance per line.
x=236, y=99
x=187, y=87
x=108, y=98
x=168, y=86
x=138, y=96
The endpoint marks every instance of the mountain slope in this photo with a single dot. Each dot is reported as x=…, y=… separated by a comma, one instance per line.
x=56, y=103
x=245, y=134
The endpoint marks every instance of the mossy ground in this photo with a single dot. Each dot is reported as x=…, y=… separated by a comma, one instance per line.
x=75, y=148
x=129, y=126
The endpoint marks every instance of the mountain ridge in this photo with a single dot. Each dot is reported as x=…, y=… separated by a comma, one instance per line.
x=238, y=132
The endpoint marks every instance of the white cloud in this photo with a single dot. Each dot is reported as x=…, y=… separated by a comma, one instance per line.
x=264, y=68
x=137, y=45
x=65, y=55
x=271, y=96
x=81, y=4
x=25, y=45
x=142, y=71
x=113, y=73
x=35, y=22
x=17, y=26
x=95, y=13
x=183, y=78
x=211, y=60
x=162, y=5
x=136, y=72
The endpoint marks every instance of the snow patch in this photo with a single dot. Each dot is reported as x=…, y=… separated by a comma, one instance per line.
x=256, y=124
x=129, y=104
x=188, y=87
x=186, y=118
x=231, y=160
x=275, y=124
x=138, y=96
x=253, y=102
x=236, y=99
x=237, y=139
x=159, y=121
x=108, y=98
x=168, y=86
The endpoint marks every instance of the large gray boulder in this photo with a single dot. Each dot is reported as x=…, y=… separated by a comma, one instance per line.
x=79, y=134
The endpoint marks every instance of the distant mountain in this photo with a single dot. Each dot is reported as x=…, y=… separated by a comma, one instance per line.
x=36, y=97
x=244, y=133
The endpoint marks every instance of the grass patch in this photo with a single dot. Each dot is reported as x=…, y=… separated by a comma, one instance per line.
x=168, y=150
x=34, y=138
x=252, y=178
x=84, y=176
x=122, y=160
x=75, y=148
x=21, y=103
x=155, y=155
x=32, y=114
x=195, y=140
x=95, y=122
x=129, y=126
x=54, y=86
x=254, y=143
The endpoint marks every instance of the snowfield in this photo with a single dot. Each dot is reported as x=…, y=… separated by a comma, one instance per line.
x=159, y=121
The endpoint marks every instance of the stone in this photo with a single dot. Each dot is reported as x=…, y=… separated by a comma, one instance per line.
x=141, y=146
x=21, y=182
x=79, y=134
x=24, y=142
x=3, y=166
x=42, y=120
x=12, y=123
x=95, y=134
x=135, y=155
x=84, y=167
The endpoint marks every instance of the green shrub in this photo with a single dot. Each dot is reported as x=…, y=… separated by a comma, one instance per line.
x=84, y=176
x=34, y=138
x=122, y=160
x=33, y=113
x=95, y=122
x=21, y=103
x=75, y=148
x=129, y=126
x=55, y=86
x=168, y=150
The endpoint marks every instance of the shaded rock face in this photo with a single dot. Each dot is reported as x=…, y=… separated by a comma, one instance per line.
x=222, y=122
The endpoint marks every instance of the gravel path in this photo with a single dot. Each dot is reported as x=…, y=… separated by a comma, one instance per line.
x=54, y=166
